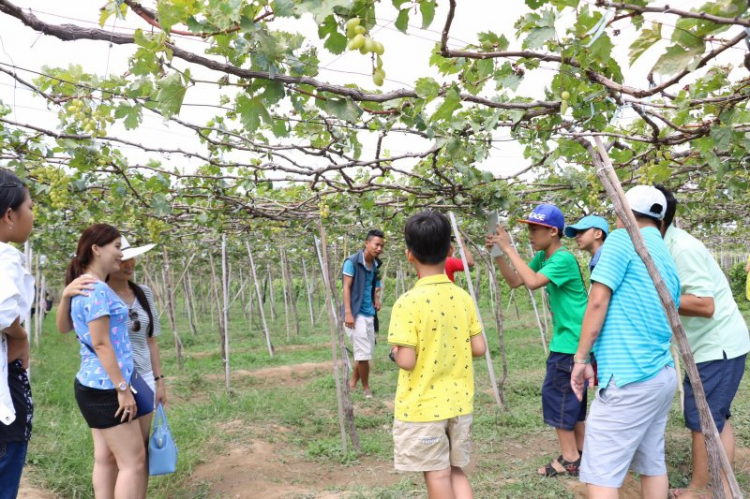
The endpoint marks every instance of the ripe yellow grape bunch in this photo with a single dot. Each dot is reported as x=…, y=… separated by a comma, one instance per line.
x=94, y=121
x=358, y=40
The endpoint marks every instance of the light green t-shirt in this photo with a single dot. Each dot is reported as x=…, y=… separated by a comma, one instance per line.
x=567, y=296
x=701, y=276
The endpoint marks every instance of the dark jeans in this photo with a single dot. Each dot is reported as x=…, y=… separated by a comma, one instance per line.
x=12, y=459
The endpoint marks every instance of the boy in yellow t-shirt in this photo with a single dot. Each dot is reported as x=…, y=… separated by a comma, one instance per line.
x=435, y=332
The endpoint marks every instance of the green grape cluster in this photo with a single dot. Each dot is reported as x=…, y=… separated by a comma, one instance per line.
x=93, y=120
x=358, y=40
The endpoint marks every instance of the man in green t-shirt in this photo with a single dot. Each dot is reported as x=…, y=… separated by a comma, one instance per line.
x=556, y=269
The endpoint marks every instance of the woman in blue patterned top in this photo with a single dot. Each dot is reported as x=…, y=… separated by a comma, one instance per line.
x=102, y=385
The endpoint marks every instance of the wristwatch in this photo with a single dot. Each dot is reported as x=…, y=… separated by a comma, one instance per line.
x=122, y=386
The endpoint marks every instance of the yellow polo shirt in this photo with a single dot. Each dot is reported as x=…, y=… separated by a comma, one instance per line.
x=437, y=319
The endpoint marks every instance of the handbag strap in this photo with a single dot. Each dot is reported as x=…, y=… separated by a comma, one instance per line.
x=160, y=415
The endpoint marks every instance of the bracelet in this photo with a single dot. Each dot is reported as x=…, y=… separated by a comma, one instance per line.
x=157, y=378
x=576, y=360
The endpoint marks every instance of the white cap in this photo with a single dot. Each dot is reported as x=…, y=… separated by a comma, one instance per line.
x=129, y=252
x=647, y=200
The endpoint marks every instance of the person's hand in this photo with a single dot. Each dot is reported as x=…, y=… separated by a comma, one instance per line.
x=349, y=320
x=128, y=409
x=161, y=392
x=581, y=375
x=502, y=238
x=80, y=286
x=378, y=305
x=488, y=242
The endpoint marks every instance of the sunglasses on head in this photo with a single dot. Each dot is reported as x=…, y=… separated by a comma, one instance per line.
x=133, y=315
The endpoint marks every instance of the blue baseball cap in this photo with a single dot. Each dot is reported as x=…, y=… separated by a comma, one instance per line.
x=586, y=223
x=546, y=215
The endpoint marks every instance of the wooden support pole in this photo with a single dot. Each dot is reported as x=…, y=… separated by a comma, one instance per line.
x=290, y=286
x=225, y=311
x=345, y=409
x=285, y=292
x=542, y=329
x=717, y=458
x=470, y=284
x=217, y=302
x=271, y=294
x=309, y=289
x=498, y=307
x=260, y=299
x=170, y=305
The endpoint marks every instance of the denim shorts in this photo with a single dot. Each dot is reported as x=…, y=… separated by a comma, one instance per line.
x=721, y=379
x=560, y=407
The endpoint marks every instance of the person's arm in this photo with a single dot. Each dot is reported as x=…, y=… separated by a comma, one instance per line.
x=80, y=286
x=16, y=330
x=510, y=276
x=19, y=348
x=99, y=330
x=406, y=357
x=696, y=306
x=376, y=298
x=348, y=315
x=523, y=272
x=747, y=266
x=697, y=286
x=469, y=256
x=153, y=348
x=593, y=320
x=161, y=387
x=18, y=343
x=478, y=345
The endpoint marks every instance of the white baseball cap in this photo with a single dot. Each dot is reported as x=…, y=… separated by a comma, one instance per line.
x=647, y=200
x=129, y=252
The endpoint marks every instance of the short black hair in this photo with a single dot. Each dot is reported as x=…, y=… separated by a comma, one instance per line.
x=671, y=204
x=12, y=192
x=646, y=218
x=375, y=233
x=428, y=236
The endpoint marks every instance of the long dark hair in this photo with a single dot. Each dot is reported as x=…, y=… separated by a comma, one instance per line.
x=140, y=295
x=97, y=234
x=12, y=192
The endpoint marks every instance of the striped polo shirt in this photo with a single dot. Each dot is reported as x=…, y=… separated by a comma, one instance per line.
x=634, y=343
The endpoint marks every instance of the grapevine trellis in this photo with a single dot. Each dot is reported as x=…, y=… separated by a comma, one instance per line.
x=282, y=160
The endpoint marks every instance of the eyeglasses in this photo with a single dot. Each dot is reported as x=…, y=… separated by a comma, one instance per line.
x=133, y=315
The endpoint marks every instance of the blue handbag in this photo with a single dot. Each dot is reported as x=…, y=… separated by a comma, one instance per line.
x=162, y=451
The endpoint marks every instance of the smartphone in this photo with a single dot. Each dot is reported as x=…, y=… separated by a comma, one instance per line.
x=492, y=221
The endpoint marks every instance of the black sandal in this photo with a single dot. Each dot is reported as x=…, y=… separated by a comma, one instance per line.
x=571, y=467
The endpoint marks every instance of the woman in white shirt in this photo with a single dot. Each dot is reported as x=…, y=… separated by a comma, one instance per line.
x=16, y=296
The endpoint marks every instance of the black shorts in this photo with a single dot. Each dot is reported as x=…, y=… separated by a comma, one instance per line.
x=98, y=407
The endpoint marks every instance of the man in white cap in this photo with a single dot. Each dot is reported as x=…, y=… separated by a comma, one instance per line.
x=627, y=327
x=718, y=338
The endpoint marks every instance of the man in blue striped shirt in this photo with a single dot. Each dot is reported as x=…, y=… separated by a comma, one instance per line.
x=627, y=327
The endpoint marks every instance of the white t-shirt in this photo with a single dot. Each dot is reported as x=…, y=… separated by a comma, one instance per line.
x=16, y=297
